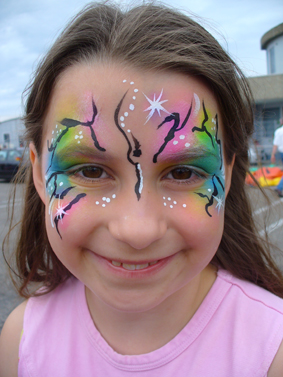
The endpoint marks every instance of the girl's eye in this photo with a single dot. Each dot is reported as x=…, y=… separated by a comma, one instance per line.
x=181, y=173
x=92, y=172
x=185, y=175
x=88, y=173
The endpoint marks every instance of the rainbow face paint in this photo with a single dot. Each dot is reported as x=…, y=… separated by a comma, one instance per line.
x=58, y=186
x=189, y=127
x=181, y=127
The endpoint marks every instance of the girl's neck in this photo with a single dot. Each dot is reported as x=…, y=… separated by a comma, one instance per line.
x=144, y=332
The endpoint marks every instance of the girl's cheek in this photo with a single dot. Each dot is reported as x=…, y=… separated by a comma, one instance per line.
x=70, y=205
x=207, y=201
x=64, y=200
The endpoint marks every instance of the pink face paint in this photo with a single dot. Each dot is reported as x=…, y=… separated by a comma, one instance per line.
x=57, y=183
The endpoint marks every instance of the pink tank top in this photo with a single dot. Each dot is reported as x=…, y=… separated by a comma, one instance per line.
x=235, y=332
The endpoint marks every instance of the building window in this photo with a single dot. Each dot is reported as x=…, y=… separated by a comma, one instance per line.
x=270, y=119
x=21, y=141
x=6, y=140
x=271, y=58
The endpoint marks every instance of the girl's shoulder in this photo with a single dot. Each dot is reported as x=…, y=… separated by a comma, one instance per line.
x=10, y=341
x=251, y=295
x=259, y=303
x=13, y=329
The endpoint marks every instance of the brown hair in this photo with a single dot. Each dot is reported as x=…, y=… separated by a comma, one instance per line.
x=151, y=37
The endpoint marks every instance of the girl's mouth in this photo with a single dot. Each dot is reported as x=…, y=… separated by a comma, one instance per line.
x=132, y=267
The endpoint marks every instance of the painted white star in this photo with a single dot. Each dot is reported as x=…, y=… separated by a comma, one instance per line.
x=220, y=202
x=60, y=212
x=155, y=105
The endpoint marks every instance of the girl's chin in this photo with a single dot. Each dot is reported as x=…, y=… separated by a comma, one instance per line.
x=128, y=301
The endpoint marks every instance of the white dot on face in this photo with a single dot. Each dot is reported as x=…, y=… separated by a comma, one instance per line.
x=184, y=205
x=122, y=118
x=182, y=137
x=171, y=206
x=108, y=200
x=131, y=107
x=128, y=130
x=103, y=205
x=61, y=183
x=114, y=196
x=209, y=190
x=52, y=132
x=164, y=204
x=124, y=80
x=164, y=197
x=126, y=114
x=175, y=202
x=56, y=126
x=132, y=83
x=169, y=199
x=81, y=137
x=79, y=142
x=77, y=136
x=122, y=124
x=136, y=90
x=96, y=203
x=80, y=132
x=134, y=97
x=187, y=145
x=104, y=198
x=175, y=142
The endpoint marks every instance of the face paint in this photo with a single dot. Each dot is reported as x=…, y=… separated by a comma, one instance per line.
x=134, y=146
x=57, y=183
x=206, y=134
x=155, y=105
x=180, y=131
x=185, y=132
x=176, y=127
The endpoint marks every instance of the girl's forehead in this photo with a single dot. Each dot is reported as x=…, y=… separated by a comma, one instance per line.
x=147, y=96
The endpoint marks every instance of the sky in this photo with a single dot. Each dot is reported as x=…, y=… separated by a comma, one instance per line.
x=29, y=27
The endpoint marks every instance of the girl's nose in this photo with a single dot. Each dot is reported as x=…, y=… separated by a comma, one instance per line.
x=139, y=225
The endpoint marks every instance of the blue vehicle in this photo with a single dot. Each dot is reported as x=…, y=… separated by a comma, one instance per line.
x=10, y=160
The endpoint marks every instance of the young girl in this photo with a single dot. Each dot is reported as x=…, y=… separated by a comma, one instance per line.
x=136, y=222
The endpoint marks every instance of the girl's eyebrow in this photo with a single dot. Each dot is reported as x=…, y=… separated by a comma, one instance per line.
x=74, y=150
x=190, y=154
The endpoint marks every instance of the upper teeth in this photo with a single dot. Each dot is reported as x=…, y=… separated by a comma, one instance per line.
x=132, y=266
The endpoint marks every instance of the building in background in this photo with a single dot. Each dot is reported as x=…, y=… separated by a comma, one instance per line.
x=11, y=133
x=268, y=90
x=272, y=42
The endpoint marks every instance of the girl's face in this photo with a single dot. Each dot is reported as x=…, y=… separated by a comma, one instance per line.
x=134, y=181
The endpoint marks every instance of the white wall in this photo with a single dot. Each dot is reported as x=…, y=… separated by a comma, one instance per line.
x=275, y=56
x=15, y=129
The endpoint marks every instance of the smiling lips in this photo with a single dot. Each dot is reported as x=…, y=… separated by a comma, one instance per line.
x=132, y=267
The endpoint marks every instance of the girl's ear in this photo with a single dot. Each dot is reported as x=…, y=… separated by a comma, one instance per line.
x=228, y=175
x=38, y=178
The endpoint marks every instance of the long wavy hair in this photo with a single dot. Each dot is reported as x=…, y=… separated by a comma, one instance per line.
x=148, y=37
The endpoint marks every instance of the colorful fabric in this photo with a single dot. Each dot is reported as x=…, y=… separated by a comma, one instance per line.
x=266, y=176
